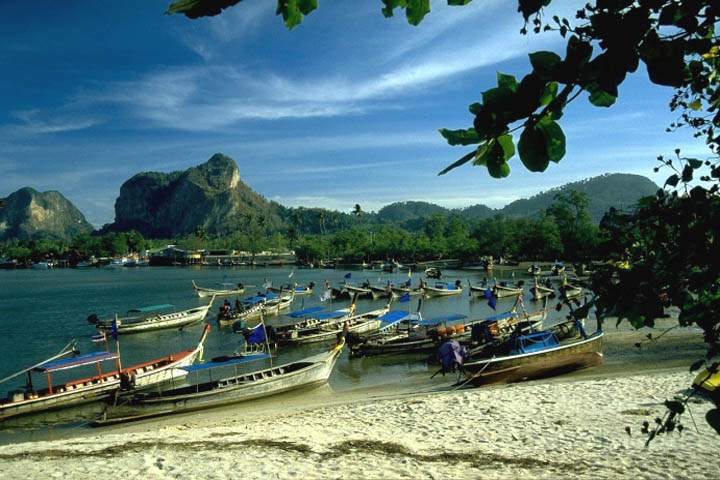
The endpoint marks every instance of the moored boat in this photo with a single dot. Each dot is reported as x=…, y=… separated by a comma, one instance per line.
x=536, y=355
x=229, y=289
x=266, y=304
x=297, y=289
x=442, y=289
x=540, y=291
x=505, y=289
x=146, y=319
x=240, y=387
x=359, y=323
x=89, y=389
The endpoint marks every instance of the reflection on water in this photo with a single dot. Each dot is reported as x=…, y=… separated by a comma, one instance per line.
x=42, y=310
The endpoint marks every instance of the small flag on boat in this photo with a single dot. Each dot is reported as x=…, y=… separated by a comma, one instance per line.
x=326, y=295
x=267, y=284
x=100, y=337
x=257, y=335
x=409, y=273
x=348, y=276
x=405, y=298
x=292, y=272
x=492, y=301
x=114, y=329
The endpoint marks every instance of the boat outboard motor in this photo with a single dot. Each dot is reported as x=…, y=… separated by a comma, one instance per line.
x=93, y=319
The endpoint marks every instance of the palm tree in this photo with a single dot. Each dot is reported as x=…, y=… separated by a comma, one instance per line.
x=357, y=210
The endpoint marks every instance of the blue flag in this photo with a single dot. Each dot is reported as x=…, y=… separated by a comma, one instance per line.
x=114, y=329
x=257, y=335
x=492, y=300
x=348, y=276
x=405, y=298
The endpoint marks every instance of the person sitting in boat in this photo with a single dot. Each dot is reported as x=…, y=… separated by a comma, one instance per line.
x=458, y=283
x=238, y=305
x=366, y=284
x=240, y=286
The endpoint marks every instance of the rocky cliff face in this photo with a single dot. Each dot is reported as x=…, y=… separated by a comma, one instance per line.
x=210, y=196
x=28, y=214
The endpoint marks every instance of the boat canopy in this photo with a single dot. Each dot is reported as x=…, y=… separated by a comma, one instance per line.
x=444, y=319
x=446, y=286
x=331, y=315
x=501, y=316
x=305, y=312
x=536, y=342
x=395, y=317
x=260, y=298
x=80, y=360
x=151, y=308
x=233, y=361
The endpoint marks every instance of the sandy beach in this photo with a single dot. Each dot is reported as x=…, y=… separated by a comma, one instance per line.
x=571, y=426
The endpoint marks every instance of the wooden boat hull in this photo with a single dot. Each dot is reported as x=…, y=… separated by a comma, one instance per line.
x=555, y=361
x=363, y=323
x=257, y=311
x=540, y=292
x=503, y=292
x=157, y=322
x=310, y=372
x=409, y=291
x=572, y=292
x=440, y=292
x=96, y=388
x=204, y=292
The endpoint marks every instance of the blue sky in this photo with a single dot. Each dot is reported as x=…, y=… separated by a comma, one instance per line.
x=342, y=110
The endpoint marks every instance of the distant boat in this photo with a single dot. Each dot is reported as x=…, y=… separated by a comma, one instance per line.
x=240, y=387
x=433, y=272
x=540, y=291
x=146, y=319
x=442, y=289
x=229, y=289
x=299, y=290
x=84, y=265
x=256, y=306
x=118, y=262
x=74, y=392
x=46, y=265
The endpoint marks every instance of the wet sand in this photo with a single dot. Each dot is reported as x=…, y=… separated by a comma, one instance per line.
x=568, y=426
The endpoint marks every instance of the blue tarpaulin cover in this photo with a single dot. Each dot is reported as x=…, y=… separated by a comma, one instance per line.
x=234, y=361
x=444, y=319
x=394, y=316
x=329, y=315
x=501, y=316
x=305, y=312
x=86, y=359
x=535, y=342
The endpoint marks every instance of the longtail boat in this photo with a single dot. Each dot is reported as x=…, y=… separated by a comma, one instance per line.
x=363, y=291
x=230, y=289
x=146, y=319
x=540, y=291
x=536, y=355
x=89, y=389
x=442, y=289
x=239, y=387
x=403, y=288
x=359, y=323
x=254, y=307
x=505, y=289
x=295, y=288
x=380, y=291
x=568, y=291
x=310, y=318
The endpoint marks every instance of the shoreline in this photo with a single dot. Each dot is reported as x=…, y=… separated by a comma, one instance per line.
x=535, y=429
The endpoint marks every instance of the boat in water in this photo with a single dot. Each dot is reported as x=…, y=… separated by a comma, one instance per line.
x=298, y=290
x=239, y=387
x=64, y=394
x=146, y=319
x=228, y=289
x=326, y=331
x=442, y=289
x=540, y=291
x=263, y=304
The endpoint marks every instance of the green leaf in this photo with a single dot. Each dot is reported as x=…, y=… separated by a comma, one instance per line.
x=695, y=163
x=500, y=170
x=697, y=365
x=484, y=153
x=687, y=174
x=475, y=108
x=549, y=93
x=599, y=97
x=307, y=6
x=713, y=419
x=498, y=98
x=554, y=138
x=672, y=180
x=532, y=148
x=416, y=10
x=543, y=63
x=466, y=158
x=291, y=13
x=507, y=81
x=460, y=137
x=695, y=105
x=508, y=146
x=456, y=3
x=200, y=8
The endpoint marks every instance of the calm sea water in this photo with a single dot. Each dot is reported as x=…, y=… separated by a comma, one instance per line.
x=41, y=311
